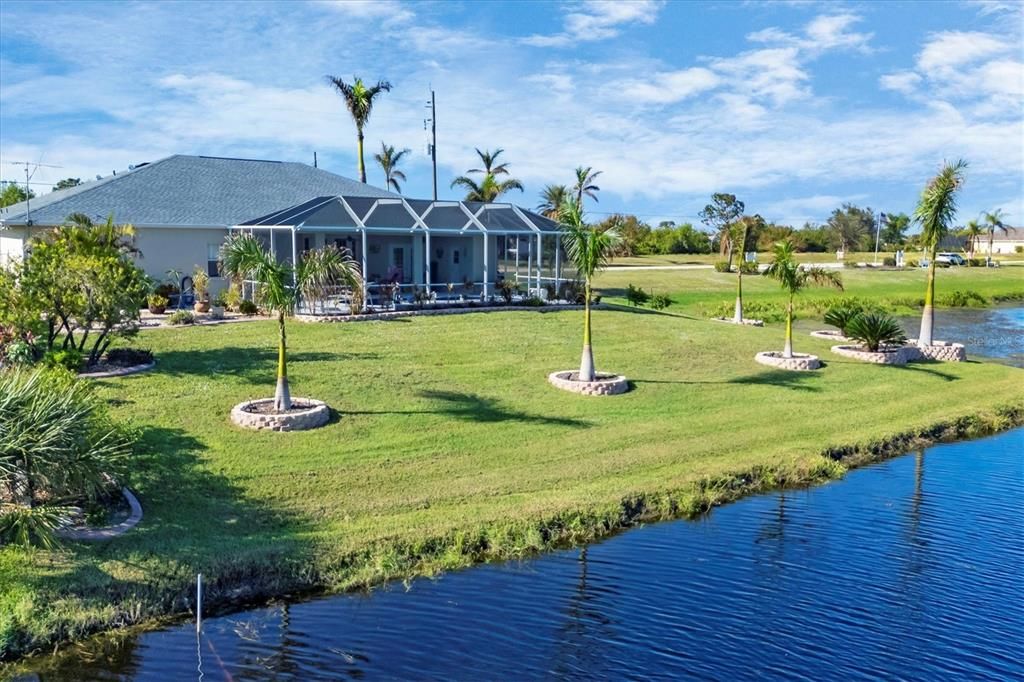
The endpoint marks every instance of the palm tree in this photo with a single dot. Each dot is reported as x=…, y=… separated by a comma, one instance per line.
x=585, y=186
x=280, y=285
x=794, y=279
x=359, y=100
x=973, y=232
x=935, y=212
x=551, y=200
x=738, y=235
x=994, y=219
x=589, y=250
x=490, y=188
x=388, y=160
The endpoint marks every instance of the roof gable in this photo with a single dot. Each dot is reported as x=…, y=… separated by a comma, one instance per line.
x=190, y=191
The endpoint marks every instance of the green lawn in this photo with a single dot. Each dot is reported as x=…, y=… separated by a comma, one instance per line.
x=766, y=256
x=697, y=292
x=450, y=447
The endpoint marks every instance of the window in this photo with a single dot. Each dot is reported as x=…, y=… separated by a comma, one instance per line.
x=455, y=256
x=213, y=260
x=306, y=244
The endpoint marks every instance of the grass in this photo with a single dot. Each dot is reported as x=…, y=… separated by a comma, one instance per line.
x=450, y=448
x=765, y=256
x=704, y=292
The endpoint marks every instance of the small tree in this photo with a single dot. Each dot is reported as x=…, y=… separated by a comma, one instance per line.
x=795, y=279
x=741, y=232
x=719, y=215
x=875, y=330
x=935, y=213
x=590, y=251
x=279, y=287
x=994, y=221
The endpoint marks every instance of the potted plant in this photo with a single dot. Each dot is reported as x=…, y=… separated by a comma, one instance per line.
x=157, y=303
x=200, y=287
x=219, y=303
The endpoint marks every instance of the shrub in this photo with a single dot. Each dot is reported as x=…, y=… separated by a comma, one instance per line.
x=157, y=303
x=533, y=302
x=572, y=292
x=660, y=301
x=722, y=266
x=912, y=263
x=507, y=288
x=129, y=357
x=66, y=358
x=889, y=261
x=748, y=268
x=636, y=295
x=200, y=283
x=841, y=315
x=233, y=296
x=221, y=299
x=17, y=346
x=27, y=526
x=247, y=307
x=179, y=317
x=166, y=290
x=874, y=330
x=1018, y=249
x=976, y=262
x=962, y=299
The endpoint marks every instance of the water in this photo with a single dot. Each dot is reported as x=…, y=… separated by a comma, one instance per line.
x=991, y=333
x=913, y=568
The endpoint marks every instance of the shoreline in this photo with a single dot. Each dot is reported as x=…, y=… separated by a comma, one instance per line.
x=435, y=555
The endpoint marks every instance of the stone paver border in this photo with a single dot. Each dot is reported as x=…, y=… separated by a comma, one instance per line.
x=746, y=321
x=606, y=384
x=894, y=355
x=119, y=372
x=800, y=362
x=99, y=534
x=942, y=351
x=316, y=414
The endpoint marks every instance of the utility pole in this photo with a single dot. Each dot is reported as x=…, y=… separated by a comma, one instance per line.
x=878, y=231
x=28, y=199
x=432, y=146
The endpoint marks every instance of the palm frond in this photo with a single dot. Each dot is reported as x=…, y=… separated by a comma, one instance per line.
x=936, y=208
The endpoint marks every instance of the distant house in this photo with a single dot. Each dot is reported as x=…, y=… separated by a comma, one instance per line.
x=183, y=207
x=1010, y=241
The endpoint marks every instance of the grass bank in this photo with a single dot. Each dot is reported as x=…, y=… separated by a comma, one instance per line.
x=705, y=293
x=450, y=448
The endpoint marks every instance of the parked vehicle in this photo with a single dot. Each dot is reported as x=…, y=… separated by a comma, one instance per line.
x=949, y=258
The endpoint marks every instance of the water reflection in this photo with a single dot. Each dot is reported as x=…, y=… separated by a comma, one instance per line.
x=909, y=569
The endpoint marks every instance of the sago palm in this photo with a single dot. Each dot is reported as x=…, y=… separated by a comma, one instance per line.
x=279, y=287
x=590, y=251
x=389, y=159
x=795, y=279
x=875, y=329
x=994, y=221
x=551, y=200
x=935, y=213
x=585, y=186
x=359, y=99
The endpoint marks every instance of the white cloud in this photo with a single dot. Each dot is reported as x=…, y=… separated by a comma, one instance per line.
x=598, y=20
x=950, y=49
x=669, y=86
x=770, y=73
x=824, y=32
x=389, y=10
x=900, y=81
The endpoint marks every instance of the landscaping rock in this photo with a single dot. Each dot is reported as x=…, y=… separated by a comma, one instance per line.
x=942, y=351
x=800, y=362
x=305, y=414
x=606, y=384
x=893, y=355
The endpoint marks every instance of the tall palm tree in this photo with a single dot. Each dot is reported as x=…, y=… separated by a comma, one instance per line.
x=994, y=220
x=738, y=234
x=280, y=285
x=973, y=233
x=489, y=188
x=794, y=279
x=935, y=212
x=590, y=250
x=359, y=99
x=389, y=160
x=585, y=186
x=551, y=200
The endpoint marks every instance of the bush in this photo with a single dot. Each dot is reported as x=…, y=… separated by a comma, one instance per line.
x=912, y=263
x=660, y=301
x=889, y=261
x=57, y=442
x=722, y=266
x=533, y=302
x=129, y=357
x=507, y=288
x=636, y=295
x=157, y=303
x=166, y=290
x=976, y=262
x=840, y=316
x=874, y=330
x=247, y=307
x=221, y=299
x=179, y=317
x=572, y=292
x=233, y=296
x=66, y=358
x=749, y=268
x=1018, y=249
x=962, y=299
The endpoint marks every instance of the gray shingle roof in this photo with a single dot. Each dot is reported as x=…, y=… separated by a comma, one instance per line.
x=191, y=191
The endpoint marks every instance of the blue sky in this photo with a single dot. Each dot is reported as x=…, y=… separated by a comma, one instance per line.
x=793, y=106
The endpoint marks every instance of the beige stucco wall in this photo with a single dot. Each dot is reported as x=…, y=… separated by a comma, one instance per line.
x=11, y=245
x=177, y=248
x=1007, y=246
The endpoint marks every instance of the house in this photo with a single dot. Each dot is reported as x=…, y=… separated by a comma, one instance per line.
x=1010, y=241
x=183, y=207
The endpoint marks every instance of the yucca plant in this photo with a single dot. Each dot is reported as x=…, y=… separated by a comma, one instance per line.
x=280, y=286
x=794, y=278
x=875, y=330
x=589, y=250
x=28, y=526
x=840, y=316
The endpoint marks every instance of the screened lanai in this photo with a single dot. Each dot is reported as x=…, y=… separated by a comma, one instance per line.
x=442, y=248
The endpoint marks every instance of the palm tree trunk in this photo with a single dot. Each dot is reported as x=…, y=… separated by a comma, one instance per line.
x=738, y=313
x=362, y=166
x=587, y=359
x=991, y=238
x=928, y=316
x=282, y=396
x=787, y=350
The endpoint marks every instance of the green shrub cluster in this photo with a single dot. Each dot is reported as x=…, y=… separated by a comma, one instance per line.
x=722, y=266
x=247, y=307
x=639, y=297
x=179, y=317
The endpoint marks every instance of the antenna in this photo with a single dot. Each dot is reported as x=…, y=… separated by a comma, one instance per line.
x=28, y=189
x=432, y=146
